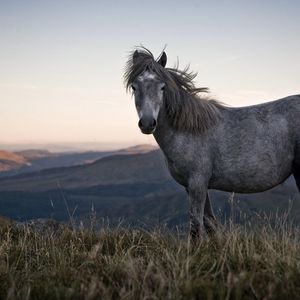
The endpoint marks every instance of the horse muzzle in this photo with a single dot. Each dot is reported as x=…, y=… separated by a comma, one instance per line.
x=147, y=125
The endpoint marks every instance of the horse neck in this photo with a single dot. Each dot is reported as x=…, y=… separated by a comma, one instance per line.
x=164, y=133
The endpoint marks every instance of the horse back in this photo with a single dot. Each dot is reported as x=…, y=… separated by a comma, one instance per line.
x=256, y=145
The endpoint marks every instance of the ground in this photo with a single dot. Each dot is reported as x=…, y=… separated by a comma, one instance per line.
x=124, y=263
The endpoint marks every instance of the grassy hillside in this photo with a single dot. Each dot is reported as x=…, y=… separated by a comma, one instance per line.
x=59, y=263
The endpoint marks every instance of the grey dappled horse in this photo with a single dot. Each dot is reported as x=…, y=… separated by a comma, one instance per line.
x=208, y=145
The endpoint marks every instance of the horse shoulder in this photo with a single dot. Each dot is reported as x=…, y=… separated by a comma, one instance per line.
x=188, y=156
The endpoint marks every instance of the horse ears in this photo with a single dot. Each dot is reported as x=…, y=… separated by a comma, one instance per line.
x=163, y=59
x=135, y=56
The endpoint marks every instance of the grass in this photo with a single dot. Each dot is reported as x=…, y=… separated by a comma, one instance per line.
x=135, y=264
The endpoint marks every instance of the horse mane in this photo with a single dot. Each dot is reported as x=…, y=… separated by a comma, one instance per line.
x=185, y=106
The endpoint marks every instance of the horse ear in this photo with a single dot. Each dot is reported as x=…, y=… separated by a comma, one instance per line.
x=135, y=56
x=163, y=59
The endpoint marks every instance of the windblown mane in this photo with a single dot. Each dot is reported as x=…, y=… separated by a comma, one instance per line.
x=185, y=108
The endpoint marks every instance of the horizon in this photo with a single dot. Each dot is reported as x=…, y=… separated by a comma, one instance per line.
x=70, y=147
x=61, y=64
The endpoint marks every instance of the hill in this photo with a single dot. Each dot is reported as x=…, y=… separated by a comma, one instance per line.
x=10, y=161
x=143, y=148
x=38, y=160
x=116, y=169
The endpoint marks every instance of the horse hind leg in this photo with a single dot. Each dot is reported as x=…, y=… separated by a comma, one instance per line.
x=297, y=176
x=210, y=221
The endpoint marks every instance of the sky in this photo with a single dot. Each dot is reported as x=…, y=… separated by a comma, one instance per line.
x=62, y=62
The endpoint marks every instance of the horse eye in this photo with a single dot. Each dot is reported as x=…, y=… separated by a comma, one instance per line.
x=163, y=88
x=133, y=88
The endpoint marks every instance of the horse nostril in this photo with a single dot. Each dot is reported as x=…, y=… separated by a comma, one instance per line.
x=140, y=124
x=153, y=123
x=147, y=124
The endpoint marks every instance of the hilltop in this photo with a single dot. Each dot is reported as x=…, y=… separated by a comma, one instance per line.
x=10, y=161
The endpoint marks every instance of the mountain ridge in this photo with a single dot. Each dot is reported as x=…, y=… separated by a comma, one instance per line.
x=119, y=168
x=39, y=159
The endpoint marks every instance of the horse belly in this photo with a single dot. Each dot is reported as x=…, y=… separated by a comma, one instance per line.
x=252, y=176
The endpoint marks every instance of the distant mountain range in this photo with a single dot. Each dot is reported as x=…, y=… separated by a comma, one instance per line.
x=132, y=185
x=111, y=170
x=26, y=161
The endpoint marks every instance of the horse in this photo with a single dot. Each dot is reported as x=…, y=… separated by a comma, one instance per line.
x=207, y=144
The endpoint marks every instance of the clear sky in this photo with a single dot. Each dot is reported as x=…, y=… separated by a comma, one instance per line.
x=61, y=62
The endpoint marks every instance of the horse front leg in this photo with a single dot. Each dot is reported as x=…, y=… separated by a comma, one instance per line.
x=209, y=219
x=197, y=198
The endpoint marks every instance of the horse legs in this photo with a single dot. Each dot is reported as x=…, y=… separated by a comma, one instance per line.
x=197, y=198
x=210, y=222
x=297, y=176
x=209, y=219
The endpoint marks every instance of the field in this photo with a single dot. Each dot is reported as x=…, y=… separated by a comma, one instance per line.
x=63, y=263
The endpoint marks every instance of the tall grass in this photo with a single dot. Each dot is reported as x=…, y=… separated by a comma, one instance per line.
x=237, y=263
